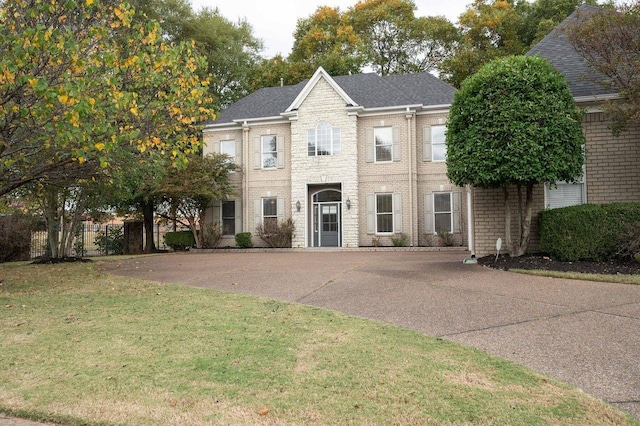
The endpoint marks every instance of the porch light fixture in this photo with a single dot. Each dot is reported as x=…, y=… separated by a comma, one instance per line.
x=348, y=204
x=298, y=205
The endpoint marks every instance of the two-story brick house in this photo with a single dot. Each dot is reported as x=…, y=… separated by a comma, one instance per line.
x=356, y=158
x=353, y=160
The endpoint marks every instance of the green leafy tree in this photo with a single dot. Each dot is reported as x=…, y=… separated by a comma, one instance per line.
x=392, y=40
x=609, y=40
x=489, y=30
x=190, y=191
x=541, y=16
x=514, y=124
x=326, y=39
x=70, y=93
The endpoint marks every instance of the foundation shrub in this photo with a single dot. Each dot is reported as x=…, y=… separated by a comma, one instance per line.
x=276, y=234
x=15, y=237
x=400, y=240
x=589, y=232
x=180, y=240
x=243, y=239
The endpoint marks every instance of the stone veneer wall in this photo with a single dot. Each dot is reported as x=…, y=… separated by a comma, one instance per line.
x=324, y=104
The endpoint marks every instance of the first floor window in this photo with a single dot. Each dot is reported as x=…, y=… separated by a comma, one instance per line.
x=229, y=217
x=269, y=212
x=442, y=212
x=564, y=194
x=269, y=152
x=384, y=213
x=438, y=143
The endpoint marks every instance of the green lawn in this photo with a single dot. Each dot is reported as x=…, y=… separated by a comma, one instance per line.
x=82, y=347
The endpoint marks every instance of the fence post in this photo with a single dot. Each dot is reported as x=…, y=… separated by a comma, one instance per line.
x=106, y=240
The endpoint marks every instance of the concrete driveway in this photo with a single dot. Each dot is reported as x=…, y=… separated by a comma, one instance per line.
x=584, y=333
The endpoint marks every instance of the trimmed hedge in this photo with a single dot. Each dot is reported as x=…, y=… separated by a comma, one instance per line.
x=243, y=239
x=179, y=241
x=587, y=232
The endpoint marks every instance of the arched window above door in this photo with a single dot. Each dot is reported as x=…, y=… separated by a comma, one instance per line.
x=327, y=196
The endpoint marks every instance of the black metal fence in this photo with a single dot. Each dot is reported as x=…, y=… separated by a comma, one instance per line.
x=93, y=239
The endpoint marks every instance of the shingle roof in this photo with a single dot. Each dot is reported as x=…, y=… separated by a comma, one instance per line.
x=368, y=90
x=556, y=49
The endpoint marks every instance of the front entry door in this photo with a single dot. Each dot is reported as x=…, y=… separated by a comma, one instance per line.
x=329, y=225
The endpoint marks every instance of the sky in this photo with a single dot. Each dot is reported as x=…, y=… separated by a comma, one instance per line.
x=274, y=21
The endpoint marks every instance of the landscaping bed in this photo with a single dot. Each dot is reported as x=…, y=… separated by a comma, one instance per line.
x=544, y=263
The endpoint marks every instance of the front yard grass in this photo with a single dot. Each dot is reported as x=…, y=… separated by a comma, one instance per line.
x=78, y=346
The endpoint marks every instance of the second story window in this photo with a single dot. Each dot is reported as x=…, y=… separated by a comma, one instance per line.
x=383, y=137
x=438, y=143
x=269, y=152
x=323, y=140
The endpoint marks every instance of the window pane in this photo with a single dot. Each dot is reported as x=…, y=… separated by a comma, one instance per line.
x=383, y=141
x=385, y=223
x=228, y=209
x=442, y=202
x=443, y=222
x=438, y=134
x=269, y=207
x=384, y=203
x=323, y=138
x=228, y=148
x=336, y=141
x=269, y=152
x=383, y=153
x=311, y=142
x=438, y=143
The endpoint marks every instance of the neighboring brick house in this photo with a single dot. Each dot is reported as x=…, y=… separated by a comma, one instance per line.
x=356, y=158
x=351, y=159
x=611, y=171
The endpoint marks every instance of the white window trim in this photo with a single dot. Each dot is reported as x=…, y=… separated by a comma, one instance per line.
x=450, y=212
x=433, y=151
x=582, y=181
x=332, y=150
x=392, y=213
x=262, y=152
x=375, y=145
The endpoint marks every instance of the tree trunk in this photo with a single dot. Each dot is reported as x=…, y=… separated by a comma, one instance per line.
x=507, y=221
x=147, y=213
x=525, y=228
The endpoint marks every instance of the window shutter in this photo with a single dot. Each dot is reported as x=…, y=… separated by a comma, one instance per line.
x=371, y=214
x=238, y=216
x=369, y=145
x=280, y=149
x=216, y=147
x=280, y=207
x=397, y=213
x=257, y=213
x=238, y=159
x=456, y=201
x=426, y=143
x=428, y=214
x=397, y=152
x=257, y=153
x=216, y=211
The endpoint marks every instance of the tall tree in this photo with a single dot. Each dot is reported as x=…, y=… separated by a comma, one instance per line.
x=489, y=30
x=326, y=39
x=514, y=123
x=541, y=16
x=190, y=191
x=70, y=92
x=392, y=40
x=609, y=40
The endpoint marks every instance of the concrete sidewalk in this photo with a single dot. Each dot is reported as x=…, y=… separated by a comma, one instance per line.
x=580, y=332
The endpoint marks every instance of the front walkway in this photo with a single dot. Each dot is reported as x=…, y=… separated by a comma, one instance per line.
x=583, y=333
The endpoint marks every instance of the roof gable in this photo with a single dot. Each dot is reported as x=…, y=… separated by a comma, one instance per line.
x=319, y=74
x=583, y=81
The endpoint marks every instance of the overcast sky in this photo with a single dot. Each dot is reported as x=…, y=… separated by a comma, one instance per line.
x=274, y=21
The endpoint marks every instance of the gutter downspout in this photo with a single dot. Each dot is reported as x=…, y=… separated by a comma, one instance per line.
x=471, y=228
x=245, y=177
x=410, y=137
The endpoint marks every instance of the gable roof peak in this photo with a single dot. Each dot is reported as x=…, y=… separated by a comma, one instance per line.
x=315, y=78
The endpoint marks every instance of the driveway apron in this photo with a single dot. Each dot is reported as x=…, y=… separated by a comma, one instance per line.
x=583, y=333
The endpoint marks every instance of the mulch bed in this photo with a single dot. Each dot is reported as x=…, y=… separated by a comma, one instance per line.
x=545, y=263
x=49, y=261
